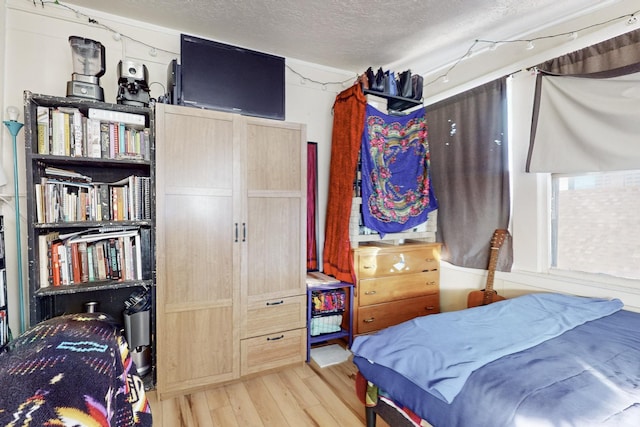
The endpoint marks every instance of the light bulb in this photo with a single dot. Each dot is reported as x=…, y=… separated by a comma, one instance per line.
x=445, y=79
x=13, y=113
x=573, y=36
x=530, y=45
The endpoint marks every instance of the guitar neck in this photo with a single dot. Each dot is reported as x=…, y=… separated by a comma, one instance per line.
x=493, y=262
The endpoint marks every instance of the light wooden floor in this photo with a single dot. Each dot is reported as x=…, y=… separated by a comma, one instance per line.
x=303, y=395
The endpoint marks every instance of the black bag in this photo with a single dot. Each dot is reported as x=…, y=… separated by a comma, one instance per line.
x=416, y=83
x=404, y=84
x=371, y=79
x=378, y=81
x=390, y=85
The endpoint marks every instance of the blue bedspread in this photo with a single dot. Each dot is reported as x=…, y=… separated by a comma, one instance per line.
x=588, y=376
x=439, y=353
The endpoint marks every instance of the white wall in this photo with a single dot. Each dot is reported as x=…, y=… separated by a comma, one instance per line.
x=38, y=58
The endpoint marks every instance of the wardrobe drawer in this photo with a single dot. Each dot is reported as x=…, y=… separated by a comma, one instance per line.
x=379, y=316
x=272, y=351
x=397, y=261
x=391, y=288
x=273, y=315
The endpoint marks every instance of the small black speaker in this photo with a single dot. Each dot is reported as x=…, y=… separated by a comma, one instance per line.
x=174, y=83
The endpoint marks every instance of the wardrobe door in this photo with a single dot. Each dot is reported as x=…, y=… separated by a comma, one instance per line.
x=273, y=285
x=198, y=267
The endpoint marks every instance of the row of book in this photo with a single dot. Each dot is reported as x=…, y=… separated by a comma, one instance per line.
x=65, y=131
x=86, y=257
x=59, y=200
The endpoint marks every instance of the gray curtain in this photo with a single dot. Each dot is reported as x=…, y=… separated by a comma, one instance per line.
x=586, y=108
x=618, y=52
x=470, y=174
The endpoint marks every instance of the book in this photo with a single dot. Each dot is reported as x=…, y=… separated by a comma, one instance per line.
x=94, y=142
x=74, y=262
x=91, y=262
x=104, y=140
x=101, y=267
x=57, y=132
x=45, y=242
x=84, y=261
x=63, y=261
x=43, y=129
x=55, y=263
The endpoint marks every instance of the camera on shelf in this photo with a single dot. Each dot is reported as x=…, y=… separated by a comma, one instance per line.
x=133, y=88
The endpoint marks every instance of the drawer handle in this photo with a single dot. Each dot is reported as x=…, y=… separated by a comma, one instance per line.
x=429, y=307
x=426, y=270
x=430, y=259
x=276, y=338
x=431, y=283
x=366, y=267
x=276, y=303
x=370, y=293
x=369, y=320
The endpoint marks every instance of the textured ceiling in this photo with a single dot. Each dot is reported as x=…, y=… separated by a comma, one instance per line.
x=351, y=35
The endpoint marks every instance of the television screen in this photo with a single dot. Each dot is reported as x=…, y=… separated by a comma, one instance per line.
x=229, y=78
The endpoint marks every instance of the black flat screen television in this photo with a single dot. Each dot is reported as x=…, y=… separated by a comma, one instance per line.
x=223, y=77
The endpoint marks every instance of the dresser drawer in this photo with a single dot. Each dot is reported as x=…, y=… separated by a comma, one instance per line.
x=374, y=317
x=272, y=351
x=397, y=261
x=278, y=314
x=391, y=288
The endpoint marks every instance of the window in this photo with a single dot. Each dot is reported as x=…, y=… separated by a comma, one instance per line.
x=596, y=223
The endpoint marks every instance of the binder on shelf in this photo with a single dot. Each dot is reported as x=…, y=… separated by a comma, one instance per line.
x=130, y=119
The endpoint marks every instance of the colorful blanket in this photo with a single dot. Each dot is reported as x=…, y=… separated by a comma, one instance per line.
x=69, y=371
x=396, y=190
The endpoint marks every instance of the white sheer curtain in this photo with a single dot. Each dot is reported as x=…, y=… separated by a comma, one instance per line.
x=587, y=119
x=585, y=124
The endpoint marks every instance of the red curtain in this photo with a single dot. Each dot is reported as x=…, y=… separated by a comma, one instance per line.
x=348, y=125
x=312, y=175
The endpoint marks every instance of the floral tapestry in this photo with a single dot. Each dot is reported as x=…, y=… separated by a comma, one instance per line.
x=396, y=188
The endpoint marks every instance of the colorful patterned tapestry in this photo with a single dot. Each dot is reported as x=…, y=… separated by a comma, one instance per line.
x=396, y=188
x=72, y=370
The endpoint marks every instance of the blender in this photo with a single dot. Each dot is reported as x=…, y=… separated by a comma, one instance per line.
x=88, y=66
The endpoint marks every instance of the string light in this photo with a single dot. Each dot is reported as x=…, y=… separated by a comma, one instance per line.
x=631, y=19
x=530, y=43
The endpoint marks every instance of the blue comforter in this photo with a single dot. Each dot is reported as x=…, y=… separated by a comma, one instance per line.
x=587, y=376
x=438, y=353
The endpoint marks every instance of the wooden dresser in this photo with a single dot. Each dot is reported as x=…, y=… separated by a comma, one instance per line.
x=395, y=283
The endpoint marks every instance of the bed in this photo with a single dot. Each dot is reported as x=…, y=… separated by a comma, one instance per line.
x=536, y=360
x=71, y=370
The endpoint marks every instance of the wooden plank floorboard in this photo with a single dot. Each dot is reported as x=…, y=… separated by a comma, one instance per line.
x=302, y=395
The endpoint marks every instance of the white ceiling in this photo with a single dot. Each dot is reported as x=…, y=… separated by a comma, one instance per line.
x=352, y=34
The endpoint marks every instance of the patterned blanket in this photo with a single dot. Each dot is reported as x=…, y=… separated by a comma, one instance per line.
x=71, y=370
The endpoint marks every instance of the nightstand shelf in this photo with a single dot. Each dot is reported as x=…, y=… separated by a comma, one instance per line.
x=345, y=332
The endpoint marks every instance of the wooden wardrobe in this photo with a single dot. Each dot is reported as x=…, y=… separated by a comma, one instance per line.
x=231, y=242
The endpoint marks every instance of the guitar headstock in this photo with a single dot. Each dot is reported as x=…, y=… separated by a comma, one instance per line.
x=498, y=238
